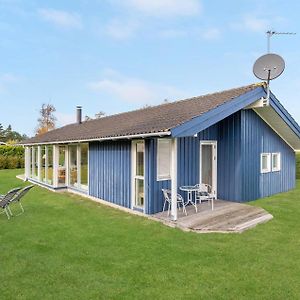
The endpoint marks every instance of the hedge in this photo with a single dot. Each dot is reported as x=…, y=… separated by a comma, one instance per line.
x=11, y=150
x=11, y=157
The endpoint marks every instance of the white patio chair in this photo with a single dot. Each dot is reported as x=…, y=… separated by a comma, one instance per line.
x=204, y=193
x=168, y=200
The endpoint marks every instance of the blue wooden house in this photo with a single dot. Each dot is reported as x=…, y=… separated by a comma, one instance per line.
x=234, y=140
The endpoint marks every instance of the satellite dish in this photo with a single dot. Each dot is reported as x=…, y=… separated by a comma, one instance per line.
x=268, y=67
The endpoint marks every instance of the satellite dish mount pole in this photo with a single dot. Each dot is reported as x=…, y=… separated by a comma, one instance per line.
x=269, y=35
x=267, y=99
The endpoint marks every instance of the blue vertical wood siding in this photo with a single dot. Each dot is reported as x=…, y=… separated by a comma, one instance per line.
x=258, y=138
x=154, y=196
x=241, y=138
x=229, y=158
x=227, y=134
x=110, y=171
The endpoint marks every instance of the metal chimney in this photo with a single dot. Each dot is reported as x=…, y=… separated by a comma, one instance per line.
x=79, y=114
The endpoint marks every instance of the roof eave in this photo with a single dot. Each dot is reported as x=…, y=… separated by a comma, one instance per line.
x=217, y=114
x=112, y=138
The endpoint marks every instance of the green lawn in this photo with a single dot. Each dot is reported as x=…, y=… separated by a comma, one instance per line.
x=66, y=247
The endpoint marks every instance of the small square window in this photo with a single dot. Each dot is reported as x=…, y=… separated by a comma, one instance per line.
x=276, y=162
x=265, y=163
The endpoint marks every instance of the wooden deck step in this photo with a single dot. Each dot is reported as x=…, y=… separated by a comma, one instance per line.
x=226, y=217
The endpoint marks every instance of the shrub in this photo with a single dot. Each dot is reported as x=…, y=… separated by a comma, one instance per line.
x=11, y=157
x=6, y=150
x=3, y=162
x=11, y=162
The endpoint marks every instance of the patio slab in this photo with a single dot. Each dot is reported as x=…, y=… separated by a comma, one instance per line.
x=226, y=217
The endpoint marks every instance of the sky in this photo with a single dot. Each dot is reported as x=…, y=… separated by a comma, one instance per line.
x=120, y=55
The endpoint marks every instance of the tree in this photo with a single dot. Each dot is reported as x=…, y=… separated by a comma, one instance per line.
x=46, y=121
x=8, y=135
x=2, y=133
x=87, y=118
x=100, y=114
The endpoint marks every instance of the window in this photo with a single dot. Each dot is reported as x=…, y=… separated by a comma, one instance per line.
x=49, y=172
x=34, y=158
x=78, y=166
x=276, y=163
x=61, y=176
x=73, y=166
x=163, y=159
x=138, y=170
x=84, y=166
x=43, y=164
x=265, y=163
x=140, y=150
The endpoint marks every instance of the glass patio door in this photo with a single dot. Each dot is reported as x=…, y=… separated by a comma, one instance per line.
x=138, y=170
x=208, y=164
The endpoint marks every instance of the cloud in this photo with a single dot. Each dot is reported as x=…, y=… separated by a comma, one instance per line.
x=252, y=23
x=61, y=19
x=255, y=24
x=134, y=90
x=120, y=30
x=162, y=8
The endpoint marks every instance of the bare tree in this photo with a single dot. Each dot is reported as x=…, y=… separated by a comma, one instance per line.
x=46, y=121
x=98, y=115
x=87, y=118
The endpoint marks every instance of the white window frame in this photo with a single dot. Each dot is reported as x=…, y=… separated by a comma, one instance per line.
x=162, y=177
x=268, y=169
x=278, y=168
x=214, y=145
x=134, y=176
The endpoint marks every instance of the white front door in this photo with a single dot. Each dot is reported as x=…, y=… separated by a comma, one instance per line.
x=138, y=174
x=208, y=164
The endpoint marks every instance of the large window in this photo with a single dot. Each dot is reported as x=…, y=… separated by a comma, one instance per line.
x=265, y=163
x=43, y=164
x=276, y=162
x=84, y=166
x=78, y=166
x=49, y=165
x=61, y=176
x=73, y=166
x=70, y=167
x=163, y=159
x=35, y=158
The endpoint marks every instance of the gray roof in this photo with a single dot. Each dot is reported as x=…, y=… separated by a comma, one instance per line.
x=150, y=120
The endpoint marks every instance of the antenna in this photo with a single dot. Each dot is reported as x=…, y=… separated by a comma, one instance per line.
x=268, y=67
x=270, y=33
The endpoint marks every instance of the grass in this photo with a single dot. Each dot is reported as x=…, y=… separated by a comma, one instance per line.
x=66, y=247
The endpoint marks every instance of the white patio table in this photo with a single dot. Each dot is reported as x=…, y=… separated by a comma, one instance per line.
x=190, y=189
